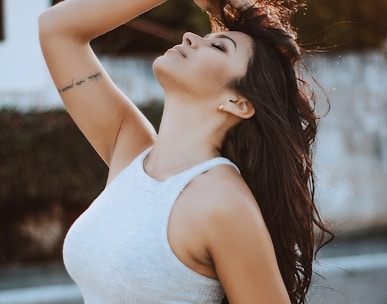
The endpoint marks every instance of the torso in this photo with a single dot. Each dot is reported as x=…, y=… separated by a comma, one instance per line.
x=189, y=214
x=186, y=223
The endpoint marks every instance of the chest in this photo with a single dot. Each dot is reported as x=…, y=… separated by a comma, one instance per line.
x=120, y=248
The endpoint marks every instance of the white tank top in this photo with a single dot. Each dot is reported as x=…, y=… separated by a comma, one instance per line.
x=117, y=251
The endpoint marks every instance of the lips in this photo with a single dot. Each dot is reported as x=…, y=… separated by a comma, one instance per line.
x=179, y=49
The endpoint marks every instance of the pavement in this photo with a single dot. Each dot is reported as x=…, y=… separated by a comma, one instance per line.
x=351, y=271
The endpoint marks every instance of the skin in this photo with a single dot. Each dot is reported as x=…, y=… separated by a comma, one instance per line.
x=215, y=227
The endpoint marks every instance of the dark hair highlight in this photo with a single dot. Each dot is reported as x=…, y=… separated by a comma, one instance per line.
x=274, y=148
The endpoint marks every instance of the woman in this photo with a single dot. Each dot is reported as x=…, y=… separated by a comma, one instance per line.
x=232, y=102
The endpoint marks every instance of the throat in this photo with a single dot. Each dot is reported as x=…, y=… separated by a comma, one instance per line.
x=167, y=162
x=165, y=172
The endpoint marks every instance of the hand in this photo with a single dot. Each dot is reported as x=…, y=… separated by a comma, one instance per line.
x=212, y=7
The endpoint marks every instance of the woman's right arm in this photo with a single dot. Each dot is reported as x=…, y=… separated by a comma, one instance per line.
x=109, y=120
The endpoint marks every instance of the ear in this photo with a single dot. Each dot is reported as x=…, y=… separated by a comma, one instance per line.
x=240, y=107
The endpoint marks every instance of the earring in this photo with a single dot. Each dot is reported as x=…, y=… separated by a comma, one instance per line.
x=220, y=108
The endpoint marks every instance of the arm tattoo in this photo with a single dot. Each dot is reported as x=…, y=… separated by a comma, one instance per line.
x=78, y=83
x=66, y=88
x=95, y=76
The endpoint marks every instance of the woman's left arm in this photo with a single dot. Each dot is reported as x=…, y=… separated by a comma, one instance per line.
x=242, y=251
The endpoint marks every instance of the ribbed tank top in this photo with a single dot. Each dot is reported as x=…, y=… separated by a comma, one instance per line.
x=117, y=251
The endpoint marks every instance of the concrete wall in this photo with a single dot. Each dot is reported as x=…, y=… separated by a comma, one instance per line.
x=351, y=160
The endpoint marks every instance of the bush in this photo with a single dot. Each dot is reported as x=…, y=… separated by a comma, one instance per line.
x=329, y=25
x=343, y=25
x=49, y=175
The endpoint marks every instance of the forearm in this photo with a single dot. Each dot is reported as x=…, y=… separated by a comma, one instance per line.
x=86, y=19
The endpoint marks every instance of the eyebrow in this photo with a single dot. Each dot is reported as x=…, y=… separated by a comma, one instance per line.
x=227, y=37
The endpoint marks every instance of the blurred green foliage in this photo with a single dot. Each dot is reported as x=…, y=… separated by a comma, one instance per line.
x=48, y=172
x=342, y=24
x=155, y=31
x=45, y=157
x=182, y=15
x=328, y=25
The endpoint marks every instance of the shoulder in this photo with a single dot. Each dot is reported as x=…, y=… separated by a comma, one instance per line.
x=220, y=200
x=224, y=193
x=236, y=238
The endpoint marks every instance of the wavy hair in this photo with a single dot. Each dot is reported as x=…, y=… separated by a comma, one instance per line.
x=274, y=148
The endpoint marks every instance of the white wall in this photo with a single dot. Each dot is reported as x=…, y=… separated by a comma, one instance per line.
x=22, y=69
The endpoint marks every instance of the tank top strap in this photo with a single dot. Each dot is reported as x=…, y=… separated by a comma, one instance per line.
x=180, y=180
x=188, y=175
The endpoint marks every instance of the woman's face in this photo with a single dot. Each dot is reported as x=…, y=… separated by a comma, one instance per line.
x=203, y=66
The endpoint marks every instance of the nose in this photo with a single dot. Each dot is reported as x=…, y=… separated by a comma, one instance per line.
x=191, y=39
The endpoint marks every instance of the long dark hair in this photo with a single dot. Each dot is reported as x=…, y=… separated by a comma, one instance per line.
x=274, y=148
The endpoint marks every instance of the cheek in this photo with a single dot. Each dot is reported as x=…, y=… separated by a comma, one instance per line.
x=211, y=73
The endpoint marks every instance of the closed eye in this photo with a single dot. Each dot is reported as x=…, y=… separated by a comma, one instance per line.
x=219, y=46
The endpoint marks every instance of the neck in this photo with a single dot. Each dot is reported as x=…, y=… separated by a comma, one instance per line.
x=188, y=135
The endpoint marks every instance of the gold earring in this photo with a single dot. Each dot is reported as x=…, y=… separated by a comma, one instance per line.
x=220, y=108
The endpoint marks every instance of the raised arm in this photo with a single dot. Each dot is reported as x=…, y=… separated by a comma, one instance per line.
x=109, y=120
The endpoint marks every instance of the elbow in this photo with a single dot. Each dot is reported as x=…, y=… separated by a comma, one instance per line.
x=47, y=26
x=56, y=23
x=43, y=23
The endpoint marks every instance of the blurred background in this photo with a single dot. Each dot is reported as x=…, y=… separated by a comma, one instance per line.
x=49, y=173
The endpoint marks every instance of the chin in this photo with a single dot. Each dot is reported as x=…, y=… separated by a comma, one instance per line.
x=163, y=70
x=158, y=69
x=157, y=64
